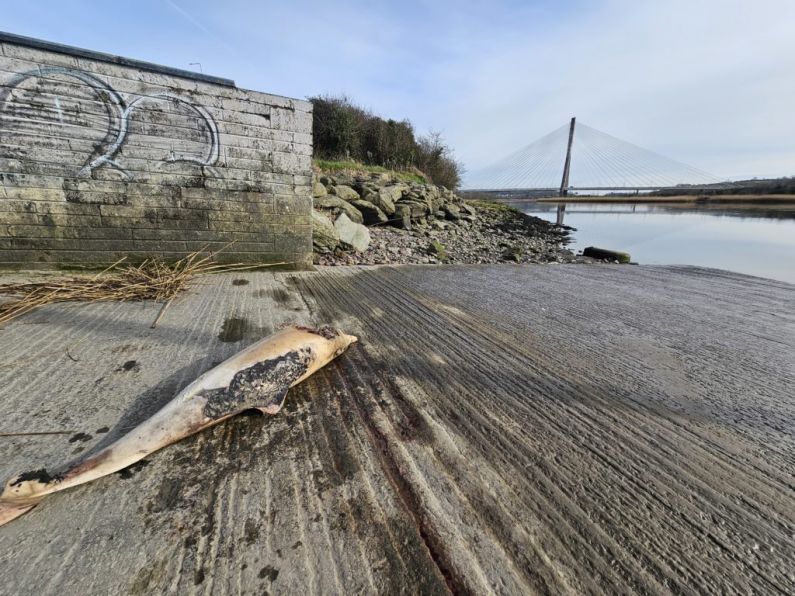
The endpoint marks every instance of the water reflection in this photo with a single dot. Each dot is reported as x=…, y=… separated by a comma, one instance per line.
x=756, y=240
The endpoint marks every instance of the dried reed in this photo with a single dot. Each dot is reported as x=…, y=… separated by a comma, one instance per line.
x=151, y=280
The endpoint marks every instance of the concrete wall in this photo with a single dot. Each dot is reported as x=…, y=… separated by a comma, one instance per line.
x=102, y=157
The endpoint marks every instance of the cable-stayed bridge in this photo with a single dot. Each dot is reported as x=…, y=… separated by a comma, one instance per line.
x=577, y=157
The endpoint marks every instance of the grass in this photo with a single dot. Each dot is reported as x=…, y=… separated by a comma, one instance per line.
x=330, y=166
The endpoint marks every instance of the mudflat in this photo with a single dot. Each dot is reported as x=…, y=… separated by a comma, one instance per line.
x=498, y=428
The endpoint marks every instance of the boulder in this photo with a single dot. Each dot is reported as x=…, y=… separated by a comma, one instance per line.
x=468, y=208
x=607, y=255
x=365, y=192
x=352, y=235
x=402, y=216
x=418, y=209
x=383, y=200
x=371, y=213
x=338, y=205
x=380, y=177
x=452, y=212
x=325, y=237
x=344, y=192
x=318, y=190
x=393, y=192
x=343, y=178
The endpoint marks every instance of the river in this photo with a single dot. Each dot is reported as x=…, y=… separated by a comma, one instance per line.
x=755, y=242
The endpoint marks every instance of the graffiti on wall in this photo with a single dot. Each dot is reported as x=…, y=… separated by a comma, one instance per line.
x=83, y=121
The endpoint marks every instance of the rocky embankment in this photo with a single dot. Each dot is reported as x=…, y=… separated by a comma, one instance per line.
x=375, y=218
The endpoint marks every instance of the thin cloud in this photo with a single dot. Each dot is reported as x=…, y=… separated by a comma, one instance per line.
x=199, y=25
x=706, y=82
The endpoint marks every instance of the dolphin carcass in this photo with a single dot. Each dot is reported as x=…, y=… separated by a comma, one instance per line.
x=256, y=378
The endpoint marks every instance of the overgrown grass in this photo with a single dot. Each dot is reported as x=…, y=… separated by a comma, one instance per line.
x=329, y=167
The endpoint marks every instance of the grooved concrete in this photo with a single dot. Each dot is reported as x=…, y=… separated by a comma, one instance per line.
x=502, y=429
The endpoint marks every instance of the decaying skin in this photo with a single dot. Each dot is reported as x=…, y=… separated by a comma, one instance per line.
x=256, y=378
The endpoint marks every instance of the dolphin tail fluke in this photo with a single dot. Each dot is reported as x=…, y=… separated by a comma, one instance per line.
x=11, y=511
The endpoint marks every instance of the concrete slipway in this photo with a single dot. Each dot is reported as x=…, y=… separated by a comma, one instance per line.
x=504, y=429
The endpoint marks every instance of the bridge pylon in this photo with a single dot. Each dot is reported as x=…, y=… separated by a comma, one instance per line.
x=564, y=183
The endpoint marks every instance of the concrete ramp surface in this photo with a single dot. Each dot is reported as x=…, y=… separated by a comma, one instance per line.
x=498, y=429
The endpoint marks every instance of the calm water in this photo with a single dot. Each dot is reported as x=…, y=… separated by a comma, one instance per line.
x=746, y=242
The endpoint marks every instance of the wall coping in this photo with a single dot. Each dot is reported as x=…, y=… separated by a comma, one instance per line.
x=41, y=44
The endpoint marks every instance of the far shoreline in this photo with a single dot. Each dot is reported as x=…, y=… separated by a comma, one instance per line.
x=701, y=200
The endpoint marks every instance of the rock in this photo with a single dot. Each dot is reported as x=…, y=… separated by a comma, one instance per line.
x=512, y=253
x=318, y=190
x=418, y=209
x=606, y=255
x=452, y=212
x=370, y=213
x=344, y=192
x=402, y=216
x=436, y=249
x=325, y=237
x=427, y=224
x=383, y=200
x=338, y=205
x=394, y=192
x=381, y=177
x=352, y=235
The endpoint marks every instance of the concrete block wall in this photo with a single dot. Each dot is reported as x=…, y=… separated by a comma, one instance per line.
x=103, y=157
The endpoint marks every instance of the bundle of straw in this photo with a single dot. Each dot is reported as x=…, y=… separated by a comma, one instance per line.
x=151, y=280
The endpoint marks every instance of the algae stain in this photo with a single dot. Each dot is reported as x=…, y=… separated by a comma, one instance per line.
x=235, y=329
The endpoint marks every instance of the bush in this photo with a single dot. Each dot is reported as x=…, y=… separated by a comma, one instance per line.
x=436, y=159
x=343, y=130
x=337, y=126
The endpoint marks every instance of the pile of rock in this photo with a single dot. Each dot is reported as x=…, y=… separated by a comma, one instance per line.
x=364, y=218
x=346, y=204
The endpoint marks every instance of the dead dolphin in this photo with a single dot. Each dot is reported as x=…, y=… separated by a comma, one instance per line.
x=256, y=378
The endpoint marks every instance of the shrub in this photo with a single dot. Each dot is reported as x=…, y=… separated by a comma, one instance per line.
x=337, y=125
x=343, y=130
x=435, y=158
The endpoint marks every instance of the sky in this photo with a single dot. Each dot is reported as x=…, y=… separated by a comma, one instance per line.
x=710, y=83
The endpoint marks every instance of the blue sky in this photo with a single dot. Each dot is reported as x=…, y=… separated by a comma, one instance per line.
x=707, y=82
